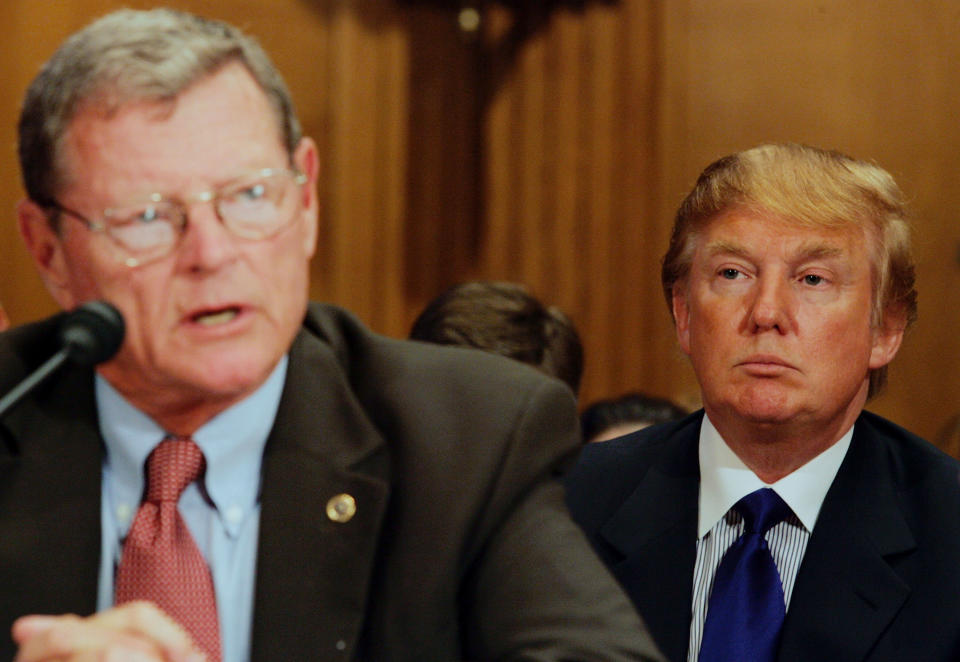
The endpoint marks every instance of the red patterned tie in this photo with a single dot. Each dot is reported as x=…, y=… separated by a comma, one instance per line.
x=161, y=562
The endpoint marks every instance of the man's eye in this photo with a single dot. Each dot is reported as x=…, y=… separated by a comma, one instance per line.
x=145, y=215
x=812, y=279
x=729, y=274
x=254, y=192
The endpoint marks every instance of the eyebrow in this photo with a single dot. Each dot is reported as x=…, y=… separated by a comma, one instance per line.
x=723, y=247
x=809, y=251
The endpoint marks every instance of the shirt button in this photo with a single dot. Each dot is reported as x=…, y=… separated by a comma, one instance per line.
x=234, y=514
x=123, y=513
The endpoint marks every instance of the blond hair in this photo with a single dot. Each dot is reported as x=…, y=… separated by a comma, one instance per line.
x=815, y=188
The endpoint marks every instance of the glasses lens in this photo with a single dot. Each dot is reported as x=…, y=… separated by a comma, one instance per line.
x=145, y=229
x=259, y=206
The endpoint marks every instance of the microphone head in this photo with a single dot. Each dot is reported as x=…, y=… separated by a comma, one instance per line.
x=92, y=333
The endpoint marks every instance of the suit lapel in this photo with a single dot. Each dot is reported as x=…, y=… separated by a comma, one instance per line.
x=50, y=495
x=655, y=530
x=846, y=592
x=313, y=571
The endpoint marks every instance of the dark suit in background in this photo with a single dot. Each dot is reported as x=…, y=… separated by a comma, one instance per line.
x=879, y=579
x=460, y=546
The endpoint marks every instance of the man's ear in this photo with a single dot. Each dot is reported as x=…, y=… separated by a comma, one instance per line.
x=46, y=248
x=307, y=160
x=887, y=338
x=681, y=315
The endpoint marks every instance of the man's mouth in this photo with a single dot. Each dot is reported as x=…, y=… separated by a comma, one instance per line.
x=215, y=317
x=766, y=359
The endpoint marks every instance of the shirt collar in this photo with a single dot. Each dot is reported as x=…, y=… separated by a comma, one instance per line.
x=232, y=443
x=725, y=479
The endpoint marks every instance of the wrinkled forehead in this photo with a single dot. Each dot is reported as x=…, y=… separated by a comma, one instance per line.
x=813, y=234
x=219, y=123
x=100, y=111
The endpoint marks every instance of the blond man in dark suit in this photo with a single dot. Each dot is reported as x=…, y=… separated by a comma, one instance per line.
x=791, y=284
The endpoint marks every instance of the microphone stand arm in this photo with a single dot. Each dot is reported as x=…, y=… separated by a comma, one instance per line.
x=33, y=379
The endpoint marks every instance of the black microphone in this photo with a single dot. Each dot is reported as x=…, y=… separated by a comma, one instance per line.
x=92, y=333
x=89, y=334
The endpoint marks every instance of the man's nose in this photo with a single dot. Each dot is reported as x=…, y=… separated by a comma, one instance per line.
x=772, y=306
x=206, y=243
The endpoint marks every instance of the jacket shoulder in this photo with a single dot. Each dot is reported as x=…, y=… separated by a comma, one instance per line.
x=915, y=459
x=374, y=362
x=426, y=394
x=606, y=472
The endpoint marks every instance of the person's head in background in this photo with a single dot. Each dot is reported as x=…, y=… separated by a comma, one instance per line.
x=614, y=417
x=504, y=318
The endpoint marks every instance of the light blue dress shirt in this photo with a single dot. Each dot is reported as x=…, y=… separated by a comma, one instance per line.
x=224, y=521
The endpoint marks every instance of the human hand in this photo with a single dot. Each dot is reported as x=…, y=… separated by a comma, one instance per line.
x=132, y=632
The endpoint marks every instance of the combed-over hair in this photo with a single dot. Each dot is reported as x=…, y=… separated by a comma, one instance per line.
x=815, y=188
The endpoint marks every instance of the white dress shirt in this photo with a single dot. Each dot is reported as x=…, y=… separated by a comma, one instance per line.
x=724, y=480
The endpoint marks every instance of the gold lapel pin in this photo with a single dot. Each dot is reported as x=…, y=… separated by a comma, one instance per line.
x=341, y=508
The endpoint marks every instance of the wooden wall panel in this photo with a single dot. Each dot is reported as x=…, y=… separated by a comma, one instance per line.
x=554, y=148
x=570, y=181
x=31, y=39
x=444, y=156
x=364, y=156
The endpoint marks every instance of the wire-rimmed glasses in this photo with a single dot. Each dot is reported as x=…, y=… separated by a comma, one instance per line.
x=254, y=206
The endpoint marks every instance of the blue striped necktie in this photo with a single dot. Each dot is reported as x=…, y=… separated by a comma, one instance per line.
x=746, y=609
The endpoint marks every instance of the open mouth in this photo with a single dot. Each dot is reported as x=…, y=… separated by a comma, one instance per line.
x=215, y=317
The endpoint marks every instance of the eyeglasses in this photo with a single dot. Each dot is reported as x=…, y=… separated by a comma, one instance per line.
x=256, y=206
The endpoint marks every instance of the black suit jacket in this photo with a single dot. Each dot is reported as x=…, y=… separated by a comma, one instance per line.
x=460, y=547
x=880, y=580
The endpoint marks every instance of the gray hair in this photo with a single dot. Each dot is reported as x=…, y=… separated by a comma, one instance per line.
x=130, y=56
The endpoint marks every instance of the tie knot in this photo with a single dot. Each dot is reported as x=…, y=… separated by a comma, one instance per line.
x=174, y=463
x=762, y=510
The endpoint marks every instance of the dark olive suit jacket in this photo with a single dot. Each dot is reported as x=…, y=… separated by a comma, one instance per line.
x=460, y=547
x=880, y=580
